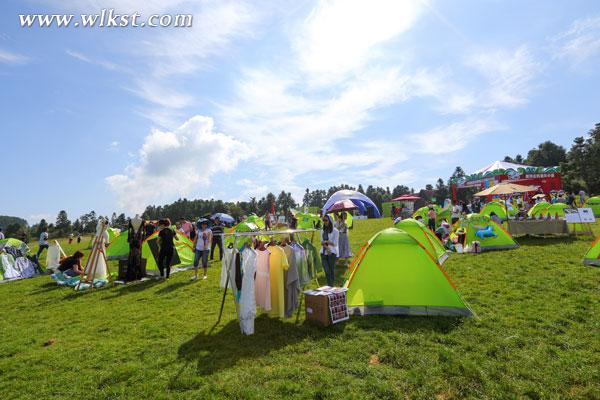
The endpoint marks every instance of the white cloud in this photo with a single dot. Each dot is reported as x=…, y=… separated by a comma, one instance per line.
x=113, y=146
x=175, y=163
x=447, y=139
x=341, y=36
x=580, y=42
x=11, y=58
x=81, y=57
x=510, y=75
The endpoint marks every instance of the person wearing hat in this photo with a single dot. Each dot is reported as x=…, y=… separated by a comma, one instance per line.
x=461, y=235
x=202, y=244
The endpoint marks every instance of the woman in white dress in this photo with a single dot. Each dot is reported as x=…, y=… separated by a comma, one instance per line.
x=344, y=243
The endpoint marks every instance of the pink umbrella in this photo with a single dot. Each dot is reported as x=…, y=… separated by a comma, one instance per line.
x=406, y=197
x=342, y=205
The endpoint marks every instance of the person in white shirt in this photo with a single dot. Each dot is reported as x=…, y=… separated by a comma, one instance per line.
x=43, y=244
x=329, y=248
x=202, y=244
x=1, y=234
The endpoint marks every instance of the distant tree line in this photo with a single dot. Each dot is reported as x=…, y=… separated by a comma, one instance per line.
x=580, y=169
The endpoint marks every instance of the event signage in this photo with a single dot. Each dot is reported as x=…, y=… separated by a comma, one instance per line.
x=579, y=216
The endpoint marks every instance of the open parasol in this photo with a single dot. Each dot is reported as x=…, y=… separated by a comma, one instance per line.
x=506, y=188
x=342, y=205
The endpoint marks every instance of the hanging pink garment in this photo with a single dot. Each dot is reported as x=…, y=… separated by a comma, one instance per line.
x=262, y=282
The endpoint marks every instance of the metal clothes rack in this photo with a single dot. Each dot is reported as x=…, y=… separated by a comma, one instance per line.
x=236, y=235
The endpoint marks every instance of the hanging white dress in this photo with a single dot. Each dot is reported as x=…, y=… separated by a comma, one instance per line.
x=225, y=265
x=247, y=299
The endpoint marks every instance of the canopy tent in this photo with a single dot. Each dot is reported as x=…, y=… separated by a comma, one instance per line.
x=547, y=178
x=592, y=257
x=360, y=200
x=495, y=207
x=183, y=256
x=394, y=274
x=425, y=237
x=342, y=205
x=440, y=212
x=407, y=197
x=489, y=234
x=506, y=188
x=539, y=209
x=594, y=204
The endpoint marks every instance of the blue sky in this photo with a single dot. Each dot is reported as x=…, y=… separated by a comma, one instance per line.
x=264, y=96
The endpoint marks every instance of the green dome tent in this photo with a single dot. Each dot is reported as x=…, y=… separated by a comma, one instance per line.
x=243, y=226
x=538, y=209
x=113, y=233
x=16, y=243
x=256, y=220
x=594, y=204
x=592, y=257
x=495, y=207
x=441, y=213
x=490, y=235
x=423, y=235
x=183, y=257
x=396, y=275
x=557, y=210
x=307, y=220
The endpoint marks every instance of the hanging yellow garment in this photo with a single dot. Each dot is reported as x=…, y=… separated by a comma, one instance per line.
x=277, y=265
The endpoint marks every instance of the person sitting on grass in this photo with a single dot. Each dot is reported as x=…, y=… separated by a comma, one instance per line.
x=71, y=266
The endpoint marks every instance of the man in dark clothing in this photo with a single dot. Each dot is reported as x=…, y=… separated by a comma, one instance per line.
x=217, y=239
x=571, y=200
x=166, y=247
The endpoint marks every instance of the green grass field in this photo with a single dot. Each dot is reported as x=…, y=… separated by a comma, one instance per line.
x=537, y=336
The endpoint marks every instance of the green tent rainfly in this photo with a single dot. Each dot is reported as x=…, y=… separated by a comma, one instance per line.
x=183, y=257
x=489, y=234
x=423, y=235
x=394, y=274
x=594, y=204
x=592, y=257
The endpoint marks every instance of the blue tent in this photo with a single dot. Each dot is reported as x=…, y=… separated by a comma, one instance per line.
x=359, y=199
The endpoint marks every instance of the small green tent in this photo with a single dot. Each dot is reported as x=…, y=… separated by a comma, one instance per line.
x=256, y=220
x=495, y=207
x=113, y=233
x=441, y=213
x=396, y=275
x=242, y=227
x=592, y=257
x=490, y=235
x=183, y=257
x=423, y=235
x=556, y=210
x=594, y=204
x=16, y=243
x=538, y=209
x=307, y=220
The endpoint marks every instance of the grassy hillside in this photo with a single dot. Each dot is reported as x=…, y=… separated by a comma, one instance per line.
x=537, y=336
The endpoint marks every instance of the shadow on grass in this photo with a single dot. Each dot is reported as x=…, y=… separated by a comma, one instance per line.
x=46, y=287
x=544, y=241
x=173, y=287
x=132, y=287
x=223, y=349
